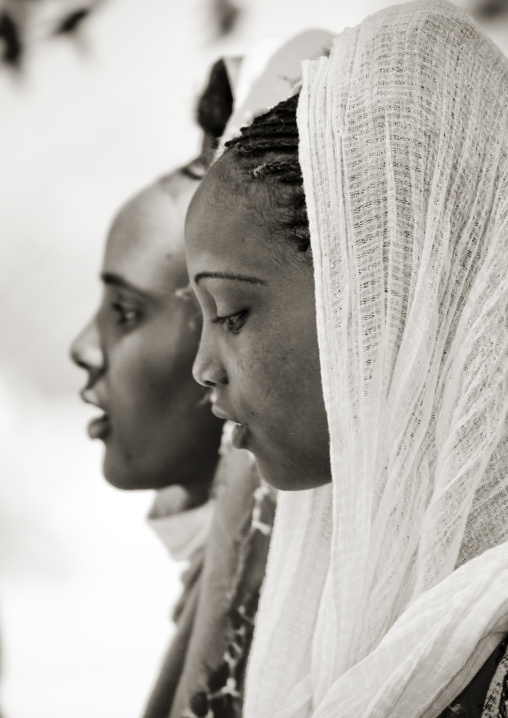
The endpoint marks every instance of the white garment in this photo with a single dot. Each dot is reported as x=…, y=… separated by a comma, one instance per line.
x=183, y=531
x=269, y=73
x=387, y=589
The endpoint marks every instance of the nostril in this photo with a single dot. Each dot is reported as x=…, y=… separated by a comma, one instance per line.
x=75, y=355
x=208, y=369
x=87, y=356
x=78, y=361
x=86, y=350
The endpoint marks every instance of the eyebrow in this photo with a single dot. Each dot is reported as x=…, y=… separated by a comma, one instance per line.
x=228, y=275
x=115, y=280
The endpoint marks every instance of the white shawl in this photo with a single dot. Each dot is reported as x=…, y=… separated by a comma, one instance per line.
x=388, y=589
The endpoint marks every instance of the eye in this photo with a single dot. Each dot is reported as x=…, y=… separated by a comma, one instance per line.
x=126, y=316
x=233, y=322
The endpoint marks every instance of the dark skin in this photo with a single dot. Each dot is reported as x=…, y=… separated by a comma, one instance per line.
x=258, y=349
x=139, y=348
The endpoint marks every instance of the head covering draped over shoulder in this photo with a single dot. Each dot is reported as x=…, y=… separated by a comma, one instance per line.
x=387, y=589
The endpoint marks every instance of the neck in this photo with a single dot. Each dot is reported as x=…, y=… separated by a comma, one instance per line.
x=195, y=482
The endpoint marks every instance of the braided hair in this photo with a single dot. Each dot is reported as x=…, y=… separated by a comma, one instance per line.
x=267, y=151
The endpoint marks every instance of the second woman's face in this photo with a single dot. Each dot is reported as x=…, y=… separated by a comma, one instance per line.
x=138, y=352
x=258, y=346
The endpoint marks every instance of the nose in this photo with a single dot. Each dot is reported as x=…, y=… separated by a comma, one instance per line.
x=86, y=350
x=208, y=368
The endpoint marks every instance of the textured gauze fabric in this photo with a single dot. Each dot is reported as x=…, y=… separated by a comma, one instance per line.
x=387, y=589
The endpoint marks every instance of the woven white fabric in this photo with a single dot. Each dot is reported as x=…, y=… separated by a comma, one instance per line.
x=269, y=74
x=388, y=589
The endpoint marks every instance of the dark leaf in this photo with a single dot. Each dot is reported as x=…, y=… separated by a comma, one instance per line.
x=226, y=14
x=492, y=8
x=12, y=52
x=72, y=22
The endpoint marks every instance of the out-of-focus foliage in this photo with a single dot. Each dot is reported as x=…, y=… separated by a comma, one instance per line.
x=491, y=9
x=225, y=15
x=9, y=34
x=24, y=23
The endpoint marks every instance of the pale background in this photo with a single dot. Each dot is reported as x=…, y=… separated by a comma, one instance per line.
x=85, y=589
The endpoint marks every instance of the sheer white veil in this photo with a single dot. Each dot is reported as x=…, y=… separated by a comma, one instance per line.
x=387, y=589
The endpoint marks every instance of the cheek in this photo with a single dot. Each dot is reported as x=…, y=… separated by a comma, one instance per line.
x=149, y=372
x=275, y=373
x=284, y=377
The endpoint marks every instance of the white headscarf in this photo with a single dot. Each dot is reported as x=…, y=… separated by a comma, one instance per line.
x=387, y=590
x=269, y=73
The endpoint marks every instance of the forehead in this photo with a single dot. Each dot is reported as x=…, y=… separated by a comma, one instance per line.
x=146, y=241
x=226, y=228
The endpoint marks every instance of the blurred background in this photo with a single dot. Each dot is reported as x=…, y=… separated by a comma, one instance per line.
x=96, y=99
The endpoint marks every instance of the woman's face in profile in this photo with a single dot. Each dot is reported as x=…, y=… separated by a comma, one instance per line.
x=258, y=347
x=139, y=348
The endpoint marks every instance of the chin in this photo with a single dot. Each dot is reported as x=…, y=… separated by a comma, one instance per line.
x=121, y=481
x=290, y=476
x=122, y=477
x=277, y=475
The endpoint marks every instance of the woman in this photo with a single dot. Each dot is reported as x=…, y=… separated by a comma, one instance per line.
x=159, y=433
x=138, y=350
x=363, y=354
x=212, y=680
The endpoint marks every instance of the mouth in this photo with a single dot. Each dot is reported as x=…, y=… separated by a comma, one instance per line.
x=100, y=427
x=220, y=414
x=240, y=433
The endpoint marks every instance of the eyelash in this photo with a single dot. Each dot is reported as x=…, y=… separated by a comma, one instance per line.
x=123, y=313
x=231, y=321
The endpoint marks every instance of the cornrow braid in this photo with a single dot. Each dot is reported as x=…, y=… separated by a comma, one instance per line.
x=267, y=151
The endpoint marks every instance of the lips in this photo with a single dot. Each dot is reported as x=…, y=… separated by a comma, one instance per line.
x=220, y=414
x=100, y=427
x=240, y=435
